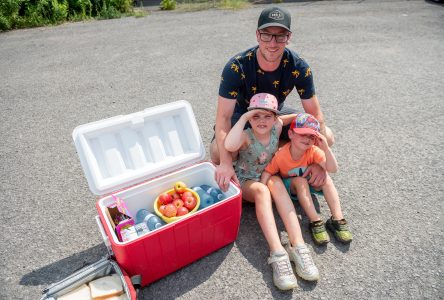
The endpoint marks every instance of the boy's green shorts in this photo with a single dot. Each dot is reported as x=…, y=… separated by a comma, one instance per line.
x=293, y=197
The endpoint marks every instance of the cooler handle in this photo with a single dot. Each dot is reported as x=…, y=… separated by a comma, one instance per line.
x=136, y=281
x=104, y=236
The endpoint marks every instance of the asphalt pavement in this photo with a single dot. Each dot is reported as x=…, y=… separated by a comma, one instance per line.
x=379, y=74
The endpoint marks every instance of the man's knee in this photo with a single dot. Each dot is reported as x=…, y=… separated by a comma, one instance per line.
x=328, y=181
x=330, y=136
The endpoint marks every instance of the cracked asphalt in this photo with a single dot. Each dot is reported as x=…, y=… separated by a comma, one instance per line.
x=379, y=74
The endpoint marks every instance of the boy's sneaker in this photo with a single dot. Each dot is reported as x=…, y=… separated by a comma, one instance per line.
x=340, y=230
x=305, y=266
x=283, y=276
x=319, y=233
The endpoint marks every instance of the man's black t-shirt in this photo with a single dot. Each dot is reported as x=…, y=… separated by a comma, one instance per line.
x=242, y=78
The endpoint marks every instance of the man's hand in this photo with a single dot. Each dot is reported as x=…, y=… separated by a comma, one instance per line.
x=317, y=175
x=224, y=173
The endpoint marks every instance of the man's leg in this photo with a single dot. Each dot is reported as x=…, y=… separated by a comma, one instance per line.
x=214, y=152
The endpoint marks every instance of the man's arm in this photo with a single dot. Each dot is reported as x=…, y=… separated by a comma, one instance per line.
x=224, y=171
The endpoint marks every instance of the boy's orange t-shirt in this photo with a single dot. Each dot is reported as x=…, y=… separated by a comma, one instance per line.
x=283, y=164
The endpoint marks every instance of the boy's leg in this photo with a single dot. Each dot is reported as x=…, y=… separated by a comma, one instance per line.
x=283, y=276
x=332, y=198
x=337, y=224
x=298, y=251
x=300, y=187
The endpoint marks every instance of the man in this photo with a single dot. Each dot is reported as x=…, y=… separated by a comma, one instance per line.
x=271, y=68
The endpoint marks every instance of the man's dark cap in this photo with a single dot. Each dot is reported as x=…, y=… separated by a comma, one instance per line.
x=274, y=16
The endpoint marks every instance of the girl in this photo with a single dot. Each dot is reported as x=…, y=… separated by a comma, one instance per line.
x=255, y=147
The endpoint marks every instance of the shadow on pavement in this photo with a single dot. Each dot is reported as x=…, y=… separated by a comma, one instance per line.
x=63, y=268
x=179, y=283
x=436, y=2
x=201, y=270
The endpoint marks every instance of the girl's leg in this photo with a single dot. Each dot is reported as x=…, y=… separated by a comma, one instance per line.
x=332, y=198
x=283, y=276
x=300, y=187
x=298, y=251
x=286, y=210
x=259, y=193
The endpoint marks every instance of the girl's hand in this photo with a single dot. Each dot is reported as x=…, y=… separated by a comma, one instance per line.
x=249, y=114
x=322, y=142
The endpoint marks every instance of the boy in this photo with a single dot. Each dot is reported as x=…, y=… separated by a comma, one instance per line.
x=291, y=161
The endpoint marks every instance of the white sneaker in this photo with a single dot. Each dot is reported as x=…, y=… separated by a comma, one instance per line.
x=283, y=276
x=305, y=266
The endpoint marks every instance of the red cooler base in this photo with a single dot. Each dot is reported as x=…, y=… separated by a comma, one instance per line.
x=177, y=244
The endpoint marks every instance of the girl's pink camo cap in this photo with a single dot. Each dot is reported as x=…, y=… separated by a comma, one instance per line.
x=264, y=101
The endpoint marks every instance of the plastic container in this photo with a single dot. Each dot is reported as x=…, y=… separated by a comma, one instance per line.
x=173, y=219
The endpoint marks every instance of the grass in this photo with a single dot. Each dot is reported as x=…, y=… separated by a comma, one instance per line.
x=139, y=13
x=16, y=14
x=189, y=6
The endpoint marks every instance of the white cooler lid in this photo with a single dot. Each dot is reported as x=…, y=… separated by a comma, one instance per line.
x=119, y=152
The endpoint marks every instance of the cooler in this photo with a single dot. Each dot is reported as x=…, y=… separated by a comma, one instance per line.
x=138, y=156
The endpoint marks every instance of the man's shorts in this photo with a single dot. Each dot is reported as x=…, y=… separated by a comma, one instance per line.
x=284, y=111
x=287, y=182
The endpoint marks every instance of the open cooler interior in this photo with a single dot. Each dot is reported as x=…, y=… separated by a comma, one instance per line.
x=142, y=196
x=117, y=152
x=103, y=267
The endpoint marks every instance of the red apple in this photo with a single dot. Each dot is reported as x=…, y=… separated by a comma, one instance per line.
x=165, y=198
x=170, y=210
x=180, y=187
x=176, y=196
x=178, y=203
x=186, y=194
x=162, y=209
x=190, y=203
x=181, y=211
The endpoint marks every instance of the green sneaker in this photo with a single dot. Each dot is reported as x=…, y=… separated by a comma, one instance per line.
x=318, y=232
x=340, y=230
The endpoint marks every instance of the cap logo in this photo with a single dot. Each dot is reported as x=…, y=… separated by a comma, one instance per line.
x=276, y=15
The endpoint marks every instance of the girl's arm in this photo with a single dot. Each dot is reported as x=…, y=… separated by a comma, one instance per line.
x=265, y=176
x=330, y=165
x=236, y=137
x=286, y=119
x=283, y=121
x=278, y=125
